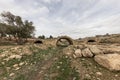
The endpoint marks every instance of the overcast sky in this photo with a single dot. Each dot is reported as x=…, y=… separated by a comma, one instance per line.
x=76, y=18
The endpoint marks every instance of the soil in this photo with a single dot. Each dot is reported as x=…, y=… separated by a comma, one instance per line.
x=45, y=64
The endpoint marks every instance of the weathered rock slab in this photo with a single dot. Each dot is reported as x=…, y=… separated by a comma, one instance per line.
x=95, y=50
x=109, y=61
x=87, y=53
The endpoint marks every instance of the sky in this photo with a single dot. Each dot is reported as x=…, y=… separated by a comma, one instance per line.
x=75, y=18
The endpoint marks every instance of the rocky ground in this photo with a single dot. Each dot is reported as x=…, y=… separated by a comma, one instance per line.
x=48, y=62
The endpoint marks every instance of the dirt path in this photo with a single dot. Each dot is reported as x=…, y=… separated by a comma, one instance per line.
x=44, y=68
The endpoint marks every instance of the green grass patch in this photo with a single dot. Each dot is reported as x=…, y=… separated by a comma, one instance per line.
x=20, y=77
x=27, y=70
x=64, y=70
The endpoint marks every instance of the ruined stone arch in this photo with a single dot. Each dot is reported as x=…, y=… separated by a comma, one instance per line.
x=38, y=42
x=64, y=41
x=91, y=40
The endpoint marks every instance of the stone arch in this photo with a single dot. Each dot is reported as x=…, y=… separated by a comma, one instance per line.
x=64, y=41
x=91, y=40
x=38, y=42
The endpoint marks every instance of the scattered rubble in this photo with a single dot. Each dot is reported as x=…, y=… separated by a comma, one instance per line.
x=83, y=58
x=101, y=53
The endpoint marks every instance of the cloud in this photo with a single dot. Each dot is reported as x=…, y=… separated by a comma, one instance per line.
x=78, y=18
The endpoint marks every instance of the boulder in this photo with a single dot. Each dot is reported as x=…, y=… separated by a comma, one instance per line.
x=87, y=53
x=109, y=61
x=95, y=50
x=78, y=53
x=68, y=51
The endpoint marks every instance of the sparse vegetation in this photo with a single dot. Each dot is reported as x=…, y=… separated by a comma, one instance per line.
x=27, y=63
x=48, y=62
x=63, y=70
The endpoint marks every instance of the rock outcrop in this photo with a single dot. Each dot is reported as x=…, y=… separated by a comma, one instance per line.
x=109, y=61
x=94, y=49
